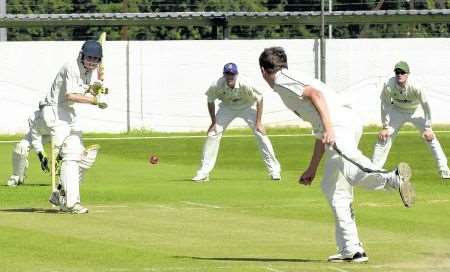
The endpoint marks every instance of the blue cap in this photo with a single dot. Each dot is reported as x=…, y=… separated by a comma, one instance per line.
x=230, y=68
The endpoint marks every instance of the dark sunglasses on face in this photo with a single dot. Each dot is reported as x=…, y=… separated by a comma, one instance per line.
x=400, y=72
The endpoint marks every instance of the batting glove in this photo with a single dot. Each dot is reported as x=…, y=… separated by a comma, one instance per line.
x=44, y=162
x=99, y=100
x=97, y=88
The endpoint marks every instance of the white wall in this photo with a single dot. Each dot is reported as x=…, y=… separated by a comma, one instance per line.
x=168, y=78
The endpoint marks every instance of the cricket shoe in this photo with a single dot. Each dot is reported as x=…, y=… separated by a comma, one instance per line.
x=55, y=198
x=13, y=181
x=200, y=177
x=405, y=188
x=445, y=173
x=275, y=176
x=76, y=209
x=358, y=257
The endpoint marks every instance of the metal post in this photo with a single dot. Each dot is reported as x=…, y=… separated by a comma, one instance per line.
x=3, y=31
x=316, y=59
x=124, y=28
x=330, y=26
x=128, y=88
x=322, y=42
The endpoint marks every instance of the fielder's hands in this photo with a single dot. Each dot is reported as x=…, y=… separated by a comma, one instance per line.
x=44, y=162
x=383, y=135
x=307, y=177
x=428, y=135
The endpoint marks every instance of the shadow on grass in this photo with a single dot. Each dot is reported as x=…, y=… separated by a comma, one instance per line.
x=250, y=259
x=30, y=210
x=29, y=185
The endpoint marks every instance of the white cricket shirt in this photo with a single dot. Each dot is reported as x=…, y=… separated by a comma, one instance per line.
x=242, y=96
x=291, y=90
x=403, y=99
x=71, y=78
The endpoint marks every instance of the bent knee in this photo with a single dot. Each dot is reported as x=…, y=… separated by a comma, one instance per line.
x=72, y=148
x=22, y=148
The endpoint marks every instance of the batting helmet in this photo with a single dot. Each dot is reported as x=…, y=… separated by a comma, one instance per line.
x=92, y=49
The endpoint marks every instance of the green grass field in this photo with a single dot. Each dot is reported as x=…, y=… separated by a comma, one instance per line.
x=153, y=218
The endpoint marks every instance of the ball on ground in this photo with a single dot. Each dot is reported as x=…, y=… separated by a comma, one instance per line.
x=153, y=159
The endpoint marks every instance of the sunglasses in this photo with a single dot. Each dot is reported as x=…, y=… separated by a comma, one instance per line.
x=399, y=72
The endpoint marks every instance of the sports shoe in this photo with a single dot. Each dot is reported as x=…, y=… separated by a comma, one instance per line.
x=445, y=174
x=76, y=209
x=200, y=177
x=55, y=198
x=405, y=187
x=275, y=176
x=13, y=181
x=21, y=181
x=358, y=257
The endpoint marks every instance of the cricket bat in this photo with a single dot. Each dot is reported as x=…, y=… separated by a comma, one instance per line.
x=101, y=67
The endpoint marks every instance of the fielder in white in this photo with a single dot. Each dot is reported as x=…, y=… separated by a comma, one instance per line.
x=38, y=134
x=400, y=100
x=337, y=130
x=238, y=99
x=72, y=85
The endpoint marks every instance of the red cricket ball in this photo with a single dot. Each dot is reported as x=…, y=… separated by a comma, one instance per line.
x=153, y=159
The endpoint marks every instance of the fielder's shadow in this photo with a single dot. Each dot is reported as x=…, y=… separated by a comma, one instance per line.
x=250, y=259
x=30, y=185
x=30, y=210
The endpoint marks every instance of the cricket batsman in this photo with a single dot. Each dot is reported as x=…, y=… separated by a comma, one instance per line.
x=76, y=82
x=337, y=130
x=400, y=100
x=238, y=99
x=38, y=134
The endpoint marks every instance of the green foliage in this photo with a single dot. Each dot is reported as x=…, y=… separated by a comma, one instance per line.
x=202, y=32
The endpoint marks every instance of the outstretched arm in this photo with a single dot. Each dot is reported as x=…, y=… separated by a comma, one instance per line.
x=308, y=176
x=212, y=114
x=79, y=98
x=386, y=108
x=428, y=132
x=259, y=111
x=87, y=99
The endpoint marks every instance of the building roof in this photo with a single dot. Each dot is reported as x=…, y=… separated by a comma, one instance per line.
x=229, y=18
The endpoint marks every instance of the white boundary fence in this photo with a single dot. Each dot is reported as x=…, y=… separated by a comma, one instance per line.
x=166, y=80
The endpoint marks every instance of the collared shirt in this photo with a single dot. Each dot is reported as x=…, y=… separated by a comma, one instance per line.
x=71, y=78
x=291, y=91
x=243, y=95
x=403, y=99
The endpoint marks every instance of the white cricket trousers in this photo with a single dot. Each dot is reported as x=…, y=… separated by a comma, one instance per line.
x=340, y=177
x=397, y=119
x=61, y=124
x=224, y=116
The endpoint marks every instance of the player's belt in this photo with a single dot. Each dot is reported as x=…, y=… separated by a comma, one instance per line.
x=402, y=100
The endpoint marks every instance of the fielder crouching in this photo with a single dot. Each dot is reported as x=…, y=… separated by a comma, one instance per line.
x=75, y=160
